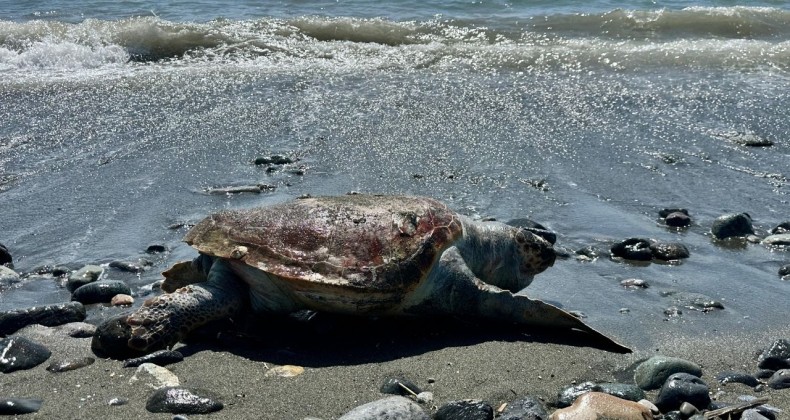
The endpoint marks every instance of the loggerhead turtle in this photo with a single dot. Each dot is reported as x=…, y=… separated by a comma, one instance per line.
x=358, y=254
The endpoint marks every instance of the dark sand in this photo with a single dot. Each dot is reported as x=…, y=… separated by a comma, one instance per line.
x=346, y=369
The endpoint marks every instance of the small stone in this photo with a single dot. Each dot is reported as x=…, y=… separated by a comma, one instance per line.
x=737, y=377
x=680, y=388
x=14, y=406
x=597, y=405
x=425, y=397
x=667, y=251
x=636, y=249
x=634, y=283
x=753, y=414
x=732, y=225
x=688, y=410
x=121, y=300
x=390, y=408
x=19, y=353
x=286, y=371
x=673, y=312
x=128, y=266
x=775, y=357
x=8, y=277
x=155, y=249
x=784, y=270
x=664, y=213
x=273, y=160
x=780, y=240
x=780, y=379
x=678, y=219
x=625, y=310
x=83, y=276
x=526, y=408
x=652, y=373
x=650, y=406
x=179, y=400
x=70, y=364
x=465, y=410
x=154, y=376
x=117, y=401
x=159, y=358
x=100, y=291
x=49, y=315
x=399, y=386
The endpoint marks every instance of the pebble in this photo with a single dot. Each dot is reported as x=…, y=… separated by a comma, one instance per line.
x=78, y=329
x=130, y=267
x=688, y=410
x=680, y=388
x=677, y=219
x=177, y=400
x=155, y=249
x=668, y=251
x=775, y=357
x=286, y=371
x=664, y=213
x=117, y=401
x=779, y=240
x=780, y=379
x=425, y=397
x=634, y=283
x=8, y=277
x=154, y=376
x=567, y=396
x=783, y=227
x=390, y=408
x=465, y=410
x=525, y=408
x=100, y=291
x=784, y=270
x=597, y=405
x=13, y=406
x=122, y=300
x=159, y=358
x=19, y=353
x=5, y=256
x=653, y=372
x=673, y=312
x=732, y=225
x=273, y=160
x=738, y=378
x=70, y=364
x=399, y=386
x=83, y=276
x=636, y=249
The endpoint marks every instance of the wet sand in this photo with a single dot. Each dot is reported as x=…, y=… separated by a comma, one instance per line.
x=345, y=368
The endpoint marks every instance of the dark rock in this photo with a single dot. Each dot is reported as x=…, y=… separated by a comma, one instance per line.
x=13, y=406
x=589, y=251
x=160, y=358
x=155, y=249
x=634, y=283
x=178, y=400
x=5, y=256
x=100, y=291
x=775, y=357
x=19, y=353
x=680, y=388
x=390, y=408
x=688, y=410
x=753, y=414
x=783, y=227
x=273, y=160
x=653, y=372
x=128, y=266
x=764, y=373
x=399, y=386
x=745, y=139
x=784, y=270
x=83, y=276
x=678, y=219
x=737, y=377
x=49, y=315
x=778, y=240
x=70, y=364
x=465, y=410
x=780, y=379
x=732, y=225
x=111, y=339
x=664, y=213
x=526, y=408
x=60, y=271
x=567, y=396
x=636, y=249
x=667, y=251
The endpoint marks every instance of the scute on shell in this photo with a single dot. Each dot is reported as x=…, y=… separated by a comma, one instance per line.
x=376, y=243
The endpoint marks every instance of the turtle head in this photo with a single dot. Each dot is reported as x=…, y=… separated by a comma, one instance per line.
x=534, y=255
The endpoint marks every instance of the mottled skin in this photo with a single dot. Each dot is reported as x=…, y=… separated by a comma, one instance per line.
x=359, y=254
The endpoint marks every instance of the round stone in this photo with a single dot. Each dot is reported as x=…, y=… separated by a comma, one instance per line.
x=179, y=400
x=680, y=388
x=738, y=378
x=732, y=225
x=19, y=353
x=636, y=249
x=100, y=291
x=784, y=270
x=48, y=315
x=83, y=276
x=780, y=379
x=667, y=251
x=653, y=372
x=395, y=407
x=677, y=219
x=121, y=300
x=526, y=408
x=465, y=410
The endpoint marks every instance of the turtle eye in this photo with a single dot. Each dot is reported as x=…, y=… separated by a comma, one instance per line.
x=521, y=238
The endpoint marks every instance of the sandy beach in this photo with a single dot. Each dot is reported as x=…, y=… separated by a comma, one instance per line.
x=345, y=369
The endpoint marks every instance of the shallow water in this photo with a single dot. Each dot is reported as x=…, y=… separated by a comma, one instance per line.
x=586, y=118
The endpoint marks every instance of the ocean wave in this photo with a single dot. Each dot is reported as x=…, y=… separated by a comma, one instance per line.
x=737, y=37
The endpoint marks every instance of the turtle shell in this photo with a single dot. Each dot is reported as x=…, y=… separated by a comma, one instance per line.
x=364, y=242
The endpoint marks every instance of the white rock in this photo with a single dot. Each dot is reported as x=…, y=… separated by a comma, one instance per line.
x=8, y=277
x=154, y=376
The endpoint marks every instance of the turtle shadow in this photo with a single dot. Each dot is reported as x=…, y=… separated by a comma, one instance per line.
x=334, y=340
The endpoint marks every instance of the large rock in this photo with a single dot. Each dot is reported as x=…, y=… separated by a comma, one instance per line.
x=780, y=379
x=653, y=372
x=177, y=400
x=680, y=388
x=732, y=225
x=49, y=315
x=8, y=277
x=19, y=353
x=100, y=291
x=83, y=276
x=5, y=256
x=597, y=405
x=526, y=408
x=775, y=357
x=465, y=410
x=390, y=408
x=668, y=251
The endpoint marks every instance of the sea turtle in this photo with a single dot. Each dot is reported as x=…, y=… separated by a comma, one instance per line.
x=359, y=254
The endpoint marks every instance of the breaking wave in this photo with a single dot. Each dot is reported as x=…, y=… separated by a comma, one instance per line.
x=738, y=37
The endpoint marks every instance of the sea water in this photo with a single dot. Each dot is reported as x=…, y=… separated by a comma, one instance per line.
x=117, y=118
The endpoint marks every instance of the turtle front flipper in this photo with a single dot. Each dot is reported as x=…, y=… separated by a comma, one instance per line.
x=166, y=319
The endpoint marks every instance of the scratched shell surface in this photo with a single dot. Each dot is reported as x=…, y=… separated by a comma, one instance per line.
x=360, y=241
